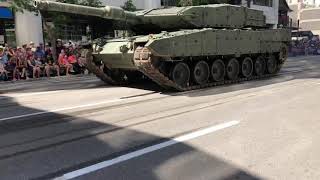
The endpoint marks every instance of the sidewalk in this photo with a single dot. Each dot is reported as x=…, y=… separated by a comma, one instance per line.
x=8, y=86
x=56, y=78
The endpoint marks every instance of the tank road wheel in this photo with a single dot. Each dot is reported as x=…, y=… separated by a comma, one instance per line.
x=218, y=70
x=201, y=72
x=233, y=67
x=260, y=66
x=272, y=64
x=247, y=67
x=181, y=74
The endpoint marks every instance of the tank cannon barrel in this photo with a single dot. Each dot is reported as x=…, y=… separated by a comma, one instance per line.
x=107, y=12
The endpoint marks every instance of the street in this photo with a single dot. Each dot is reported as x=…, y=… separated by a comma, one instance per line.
x=81, y=128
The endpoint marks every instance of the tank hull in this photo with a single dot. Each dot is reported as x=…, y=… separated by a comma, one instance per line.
x=156, y=55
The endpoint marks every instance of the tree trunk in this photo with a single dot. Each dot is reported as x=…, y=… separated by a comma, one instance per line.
x=52, y=39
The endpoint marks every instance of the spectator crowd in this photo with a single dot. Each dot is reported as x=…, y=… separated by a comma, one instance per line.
x=305, y=46
x=30, y=61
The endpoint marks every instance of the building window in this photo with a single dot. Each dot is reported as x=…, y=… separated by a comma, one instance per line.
x=10, y=33
x=263, y=2
x=71, y=32
x=169, y=2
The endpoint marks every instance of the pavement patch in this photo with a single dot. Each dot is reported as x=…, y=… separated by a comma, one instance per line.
x=146, y=150
x=60, y=109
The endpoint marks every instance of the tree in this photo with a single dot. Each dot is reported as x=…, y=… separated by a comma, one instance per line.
x=185, y=3
x=56, y=18
x=129, y=6
x=202, y=2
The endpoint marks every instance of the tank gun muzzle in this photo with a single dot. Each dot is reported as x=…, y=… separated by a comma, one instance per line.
x=107, y=12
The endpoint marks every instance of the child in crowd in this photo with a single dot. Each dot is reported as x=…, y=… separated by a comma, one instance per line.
x=63, y=62
x=22, y=63
x=50, y=65
x=3, y=72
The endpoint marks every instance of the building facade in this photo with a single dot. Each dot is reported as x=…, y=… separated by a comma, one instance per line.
x=19, y=28
x=307, y=13
x=7, y=25
x=269, y=7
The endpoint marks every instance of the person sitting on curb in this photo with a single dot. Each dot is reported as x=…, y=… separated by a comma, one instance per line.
x=22, y=63
x=64, y=63
x=50, y=66
x=35, y=66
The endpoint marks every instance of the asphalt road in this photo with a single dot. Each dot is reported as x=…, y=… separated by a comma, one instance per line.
x=80, y=128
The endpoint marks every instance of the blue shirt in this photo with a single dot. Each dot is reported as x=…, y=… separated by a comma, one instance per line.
x=39, y=54
x=4, y=58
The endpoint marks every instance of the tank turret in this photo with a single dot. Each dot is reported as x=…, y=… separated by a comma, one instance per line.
x=213, y=16
x=210, y=16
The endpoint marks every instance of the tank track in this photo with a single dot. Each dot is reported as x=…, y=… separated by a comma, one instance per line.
x=143, y=60
x=95, y=69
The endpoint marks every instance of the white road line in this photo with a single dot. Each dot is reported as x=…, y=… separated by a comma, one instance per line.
x=60, y=109
x=147, y=150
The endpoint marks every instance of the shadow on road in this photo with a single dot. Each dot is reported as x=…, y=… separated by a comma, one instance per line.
x=49, y=145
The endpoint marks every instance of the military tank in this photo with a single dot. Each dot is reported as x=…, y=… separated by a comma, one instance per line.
x=184, y=48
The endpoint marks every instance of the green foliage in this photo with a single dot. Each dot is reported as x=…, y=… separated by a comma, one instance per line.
x=20, y=5
x=185, y=3
x=57, y=18
x=93, y=3
x=129, y=6
x=193, y=2
x=200, y=2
